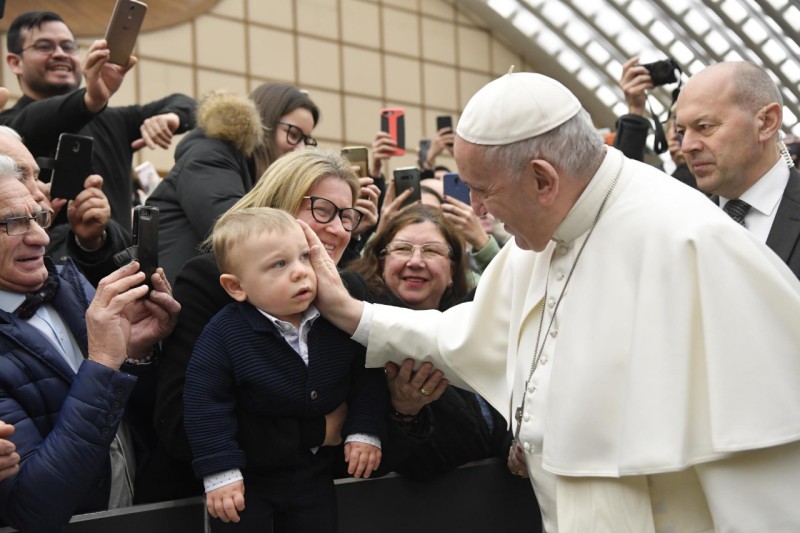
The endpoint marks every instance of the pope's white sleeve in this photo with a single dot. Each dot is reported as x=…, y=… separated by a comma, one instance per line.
x=755, y=490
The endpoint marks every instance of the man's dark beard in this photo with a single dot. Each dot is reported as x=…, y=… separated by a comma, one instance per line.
x=52, y=89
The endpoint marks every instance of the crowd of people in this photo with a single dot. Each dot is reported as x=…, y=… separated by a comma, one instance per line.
x=622, y=338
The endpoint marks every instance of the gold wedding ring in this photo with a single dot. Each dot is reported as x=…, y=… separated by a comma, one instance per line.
x=424, y=392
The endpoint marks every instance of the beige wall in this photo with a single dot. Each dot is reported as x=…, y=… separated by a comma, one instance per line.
x=353, y=56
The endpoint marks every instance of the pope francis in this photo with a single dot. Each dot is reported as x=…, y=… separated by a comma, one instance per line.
x=642, y=345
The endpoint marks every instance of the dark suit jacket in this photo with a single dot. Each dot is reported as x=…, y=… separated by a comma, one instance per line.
x=784, y=236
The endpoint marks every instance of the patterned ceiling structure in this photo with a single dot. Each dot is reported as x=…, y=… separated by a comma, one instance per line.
x=583, y=43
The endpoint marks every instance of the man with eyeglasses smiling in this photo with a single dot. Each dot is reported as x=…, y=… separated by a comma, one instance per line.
x=69, y=362
x=44, y=56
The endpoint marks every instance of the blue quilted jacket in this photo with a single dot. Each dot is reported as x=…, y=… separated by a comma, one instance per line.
x=64, y=422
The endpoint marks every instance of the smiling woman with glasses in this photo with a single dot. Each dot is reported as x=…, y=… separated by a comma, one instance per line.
x=418, y=261
x=324, y=211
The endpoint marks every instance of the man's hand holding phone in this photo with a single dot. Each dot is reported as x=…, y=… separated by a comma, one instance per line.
x=88, y=214
x=102, y=78
x=367, y=203
x=392, y=205
x=383, y=148
x=441, y=142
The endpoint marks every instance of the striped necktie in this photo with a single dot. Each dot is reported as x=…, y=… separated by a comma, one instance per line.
x=737, y=209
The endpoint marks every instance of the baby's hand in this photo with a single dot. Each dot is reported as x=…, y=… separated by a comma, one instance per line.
x=362, y=458
x=223, y=502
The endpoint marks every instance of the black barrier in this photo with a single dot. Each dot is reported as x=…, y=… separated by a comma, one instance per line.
x=477, y=497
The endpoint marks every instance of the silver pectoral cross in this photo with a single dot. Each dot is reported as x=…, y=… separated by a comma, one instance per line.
x=518, y=413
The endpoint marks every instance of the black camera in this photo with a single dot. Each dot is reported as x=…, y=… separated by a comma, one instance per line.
x=663, y=72
x=144, y=234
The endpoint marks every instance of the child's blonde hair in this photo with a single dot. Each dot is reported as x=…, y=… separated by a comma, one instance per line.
x=236, y=226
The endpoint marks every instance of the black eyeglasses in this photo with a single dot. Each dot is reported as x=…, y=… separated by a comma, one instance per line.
x=46, y=46
x=20, y=225
x=294, y=135
x=323, y=211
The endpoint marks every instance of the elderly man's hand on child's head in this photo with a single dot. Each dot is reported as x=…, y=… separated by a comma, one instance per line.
x=362, y=459
x=224, y=502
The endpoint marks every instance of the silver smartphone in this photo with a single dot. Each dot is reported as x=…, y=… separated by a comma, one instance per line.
x=123, y=29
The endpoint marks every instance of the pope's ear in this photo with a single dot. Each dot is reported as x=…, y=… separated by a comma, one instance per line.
x=232, y=286
x=546, y=180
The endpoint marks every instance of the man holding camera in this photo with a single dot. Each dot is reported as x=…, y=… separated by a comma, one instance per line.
x=70, y=362
x=632, y=129
x=729, y=118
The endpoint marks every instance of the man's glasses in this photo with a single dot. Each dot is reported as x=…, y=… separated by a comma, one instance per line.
x=323, y=211
x=20, y=225
x=429, y=250
x=294, y=135
x=46, y=46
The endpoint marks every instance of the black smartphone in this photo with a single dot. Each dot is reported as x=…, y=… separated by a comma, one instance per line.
x=358, y=155
x=453, y=186
x=407, y=178
x=144, y=234
x=73, y=164
x=123, y=29
x=393, y=122
x=444, y=121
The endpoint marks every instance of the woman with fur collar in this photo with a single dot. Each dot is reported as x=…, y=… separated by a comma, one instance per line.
x=218, y=162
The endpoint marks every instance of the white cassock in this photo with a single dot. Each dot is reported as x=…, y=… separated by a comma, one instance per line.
x=668, y=389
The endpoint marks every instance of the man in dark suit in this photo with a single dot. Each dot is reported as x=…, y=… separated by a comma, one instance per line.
x=729, y=118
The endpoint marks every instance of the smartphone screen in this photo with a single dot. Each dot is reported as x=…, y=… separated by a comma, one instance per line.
x=358, y=155
x=407, y=178
x=73, y=164
x=424, y=147
x=393, y=122
x=453, y=186
x=123, y=29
